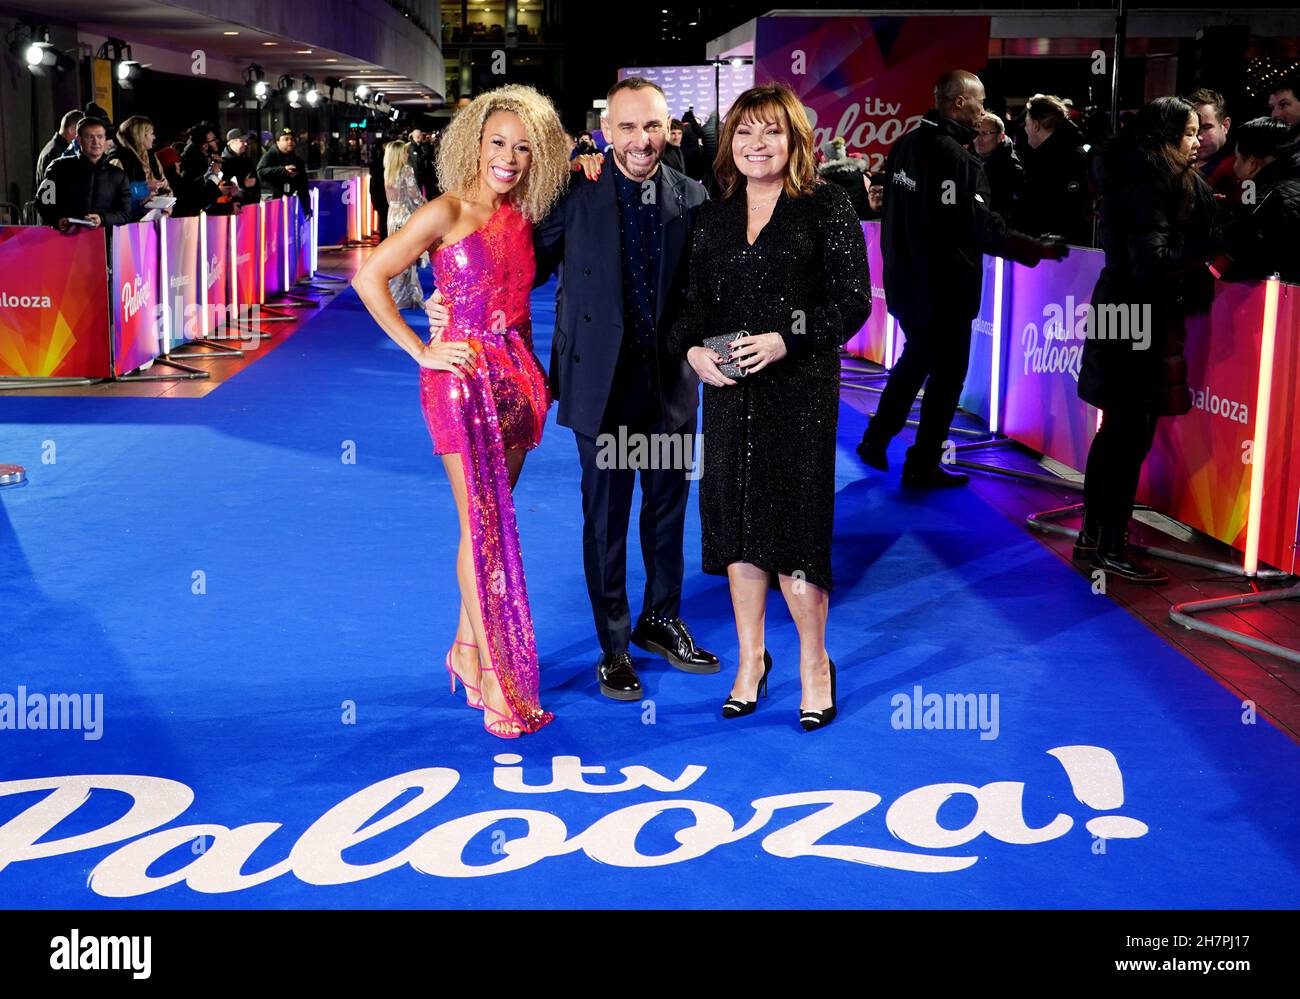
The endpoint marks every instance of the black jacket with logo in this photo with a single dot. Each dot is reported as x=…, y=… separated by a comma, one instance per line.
x=937, y=224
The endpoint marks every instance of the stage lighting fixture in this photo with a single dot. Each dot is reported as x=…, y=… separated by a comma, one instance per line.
x=311, y=95
x=379, y=98
x=255, y=80
x=363, y=92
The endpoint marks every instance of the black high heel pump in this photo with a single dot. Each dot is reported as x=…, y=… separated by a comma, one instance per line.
x=811, y=720
x=736, y=708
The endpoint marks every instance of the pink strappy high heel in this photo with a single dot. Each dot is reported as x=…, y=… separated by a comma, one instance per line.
x=477, y=700
x=489, y=726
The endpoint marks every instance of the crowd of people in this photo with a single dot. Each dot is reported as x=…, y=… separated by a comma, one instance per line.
x=95, y=173
x=1047, y=182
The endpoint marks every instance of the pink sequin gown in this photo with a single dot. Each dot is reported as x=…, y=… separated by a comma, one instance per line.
x=485, y=280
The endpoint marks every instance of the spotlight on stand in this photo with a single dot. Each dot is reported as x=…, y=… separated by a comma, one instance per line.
x=362, y=92
x=289, y=88
x=395, y=114
x=30, y=42
x=311, y=95
x=255, y=81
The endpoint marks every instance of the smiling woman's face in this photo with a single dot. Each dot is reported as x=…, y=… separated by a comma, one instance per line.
x=505, y=153
x=761, y=149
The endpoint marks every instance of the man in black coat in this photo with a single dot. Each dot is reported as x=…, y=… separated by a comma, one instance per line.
x=197, y=179
x=85, y=186
x=58, y=143
x=237, y=168
x=282, y=171
x=623, y=243
x=1056, y=199
x=937, y=225
x=1267, y=240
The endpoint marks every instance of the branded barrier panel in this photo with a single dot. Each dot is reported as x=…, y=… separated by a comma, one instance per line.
x=1279, y=531
x=54, y=315
x=272, y=247
x=869, y=342
x=977, y=395
x=1199, y=467
x=1045, y=332
x=137, y=323
x=331, y=211
x=303, y=266
x=245, y=275
x=217, y=304
x=179, y=258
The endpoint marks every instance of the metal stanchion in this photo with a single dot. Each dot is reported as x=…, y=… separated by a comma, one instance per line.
x=1183, y=614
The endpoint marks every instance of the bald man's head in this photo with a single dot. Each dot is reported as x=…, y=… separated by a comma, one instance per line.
x=960, y=95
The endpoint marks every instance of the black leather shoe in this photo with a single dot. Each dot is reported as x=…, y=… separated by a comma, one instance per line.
x=670, y=638
x=1115, y=558
x=933, y=477
x=1085, y=545
x=873, y=454
x=813, y=720
x=734, y=707
x=617, y=678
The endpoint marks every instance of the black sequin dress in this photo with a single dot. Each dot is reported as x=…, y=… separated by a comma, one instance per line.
x=767, y=493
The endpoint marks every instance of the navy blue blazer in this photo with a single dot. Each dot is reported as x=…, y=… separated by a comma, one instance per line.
x=581, y=237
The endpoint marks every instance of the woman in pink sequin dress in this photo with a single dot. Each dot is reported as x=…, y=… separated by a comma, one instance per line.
x=503, y=162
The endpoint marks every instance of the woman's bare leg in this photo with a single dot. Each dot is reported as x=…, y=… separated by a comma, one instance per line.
x=749, y=604
x=808, y=606
x=468, y=661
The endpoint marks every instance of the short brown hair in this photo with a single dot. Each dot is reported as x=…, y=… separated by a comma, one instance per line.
x=1048, y=110
x=635, y=83
x=1204, y=95
x=772, y=103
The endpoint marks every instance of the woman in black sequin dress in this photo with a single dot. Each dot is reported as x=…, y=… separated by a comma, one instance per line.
x=783, y=256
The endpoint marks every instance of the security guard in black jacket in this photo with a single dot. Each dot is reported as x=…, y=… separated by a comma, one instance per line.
x=938, y=222
x=282, y=171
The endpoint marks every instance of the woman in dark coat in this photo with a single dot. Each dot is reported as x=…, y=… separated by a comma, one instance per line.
x=782, y=256
x=1158, y=228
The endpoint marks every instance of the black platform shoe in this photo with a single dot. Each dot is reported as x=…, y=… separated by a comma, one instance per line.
x=670, y=638
x=933, y=477
x=1114, y=557
x=873, y=454
x=733, y=707
x=618, y=678
x=812, y=720
x=1085, y=545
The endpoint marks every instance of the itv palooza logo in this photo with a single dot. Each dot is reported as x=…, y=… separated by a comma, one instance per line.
x=135, y=296
x=1058, y=347
x=324, y=853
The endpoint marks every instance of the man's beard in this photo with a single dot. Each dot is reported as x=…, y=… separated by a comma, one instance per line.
x=621, y=158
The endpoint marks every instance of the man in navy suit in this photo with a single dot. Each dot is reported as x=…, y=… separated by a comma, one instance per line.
x=623, y=243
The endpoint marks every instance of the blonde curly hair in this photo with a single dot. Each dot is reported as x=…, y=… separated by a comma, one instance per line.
x=547, y=177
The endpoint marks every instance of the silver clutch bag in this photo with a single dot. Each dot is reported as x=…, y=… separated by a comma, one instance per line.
x=721, y=345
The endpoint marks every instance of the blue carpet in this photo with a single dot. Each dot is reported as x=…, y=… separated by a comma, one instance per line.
x=266, y=624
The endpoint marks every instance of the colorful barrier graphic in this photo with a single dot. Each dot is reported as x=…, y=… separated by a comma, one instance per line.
x=54, y=314
x=136, y=319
